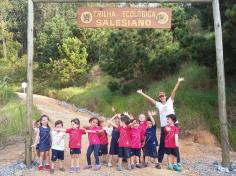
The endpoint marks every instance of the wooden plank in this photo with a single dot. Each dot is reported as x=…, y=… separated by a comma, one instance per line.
x=221, y=85
x=126, y=17
x=30, y=53
x=121, y=1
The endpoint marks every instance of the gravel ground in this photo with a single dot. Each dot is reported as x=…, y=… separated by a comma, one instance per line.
x=210, y=168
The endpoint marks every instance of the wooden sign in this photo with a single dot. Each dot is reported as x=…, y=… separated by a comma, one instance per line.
x=111, y=17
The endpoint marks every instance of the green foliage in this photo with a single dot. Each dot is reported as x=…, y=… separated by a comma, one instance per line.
x=51, y=37
x=230, y=40
x=95, y=41
x=132, y=86
x=12, y=113
x=72, y=63
x=113, y=86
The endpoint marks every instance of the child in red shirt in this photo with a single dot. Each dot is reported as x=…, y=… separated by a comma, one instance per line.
x=104, y=141
x=143, y=126
x=171, y=142
x=136, y=136
x=94, y=142
x=75, y=137
x=124, y=142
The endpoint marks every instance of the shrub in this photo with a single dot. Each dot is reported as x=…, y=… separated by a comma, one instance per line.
x=113, y=86
x=132, y=86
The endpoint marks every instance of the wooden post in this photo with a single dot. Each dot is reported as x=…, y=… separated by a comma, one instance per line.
x=30, y=53
x=221, y=85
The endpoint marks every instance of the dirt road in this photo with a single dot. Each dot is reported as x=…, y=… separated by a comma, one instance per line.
x=55, y=111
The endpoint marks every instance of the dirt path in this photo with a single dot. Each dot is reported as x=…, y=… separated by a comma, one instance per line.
x=51, y=107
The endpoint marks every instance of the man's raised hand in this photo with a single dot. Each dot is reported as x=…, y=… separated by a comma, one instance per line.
x=180, y=79
x=140, y=91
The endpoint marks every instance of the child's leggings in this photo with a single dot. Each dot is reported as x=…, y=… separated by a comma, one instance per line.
x=95, y=150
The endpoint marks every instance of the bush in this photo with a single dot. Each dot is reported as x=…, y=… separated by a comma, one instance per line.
x=113, y=86
x=132, y=86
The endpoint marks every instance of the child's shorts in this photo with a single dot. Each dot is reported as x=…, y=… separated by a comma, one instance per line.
x=150, y=150
x=114, y=149
x=172, y=151
x=103, y=149
x=57, y=154
x=74, y=151
x=124, y=152
x=135, y=151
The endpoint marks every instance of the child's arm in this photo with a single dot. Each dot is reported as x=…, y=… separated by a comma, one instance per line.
x=116, y=115
x=113, y=124
x=177, y=140
x=151, y=114
x=36, y=139
x=146, y=96
x=113, y=110
x=176, y=87
x=62, y=130
x=87, y=127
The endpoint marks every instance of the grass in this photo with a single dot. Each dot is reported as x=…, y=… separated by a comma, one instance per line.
x=195, y=103
x=12, y=116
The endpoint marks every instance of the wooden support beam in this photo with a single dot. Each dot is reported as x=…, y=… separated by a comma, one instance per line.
x=121, y=1
x=30, y=53
x=221, y=85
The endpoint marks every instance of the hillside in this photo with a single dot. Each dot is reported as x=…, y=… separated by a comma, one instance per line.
x=195, y=103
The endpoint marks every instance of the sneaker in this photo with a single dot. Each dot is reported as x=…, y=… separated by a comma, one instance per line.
x=40, y=168
x=47, y=167
x=145, y=164
x=170, y=167
x=72, y=170
x=52, y=171
x=109, y=165
x=97, y=167
x=177, y=168
x=119, y=168
x=179, y=164
x=129, y=167
x=132, y=166
x=88, y=167
x=139, y=165
x=158, y=166
x=62, y=169
x=77, y=169
x=36, y=164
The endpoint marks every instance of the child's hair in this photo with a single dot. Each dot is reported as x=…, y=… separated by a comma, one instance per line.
x=36, y=123
x=172, y=117
x=93, y=118
x=101, y=120
x=58, y=122
x=41, y=118
x=149, y=119
x=125, y=119
x=137, y=120
x=76, y=121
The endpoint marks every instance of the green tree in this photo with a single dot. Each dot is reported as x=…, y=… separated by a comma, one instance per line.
x=72, y=63
x=230, y=40
x=51, y=37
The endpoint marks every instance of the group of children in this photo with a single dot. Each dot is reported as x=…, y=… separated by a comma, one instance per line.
x=132, y=139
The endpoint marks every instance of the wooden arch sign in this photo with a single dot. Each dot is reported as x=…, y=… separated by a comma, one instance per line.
x=114, y=17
